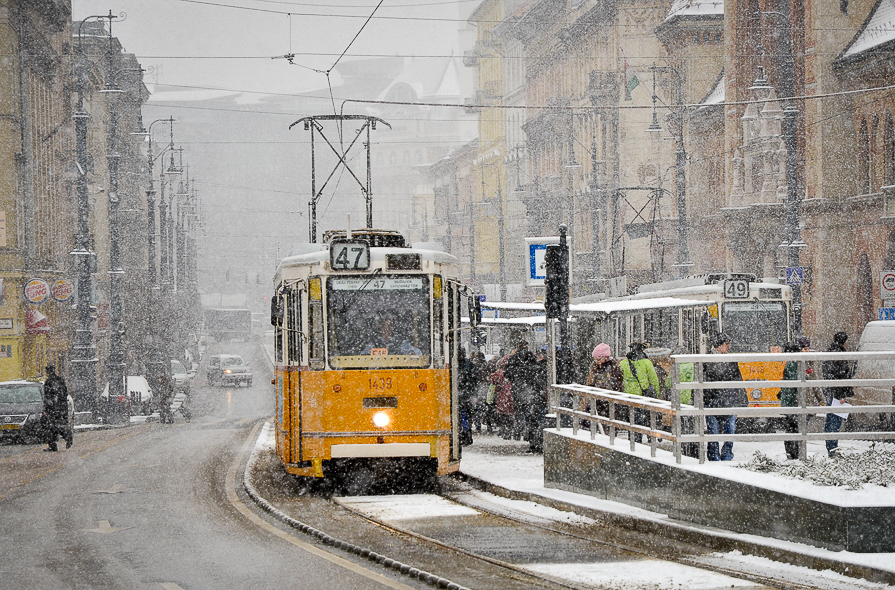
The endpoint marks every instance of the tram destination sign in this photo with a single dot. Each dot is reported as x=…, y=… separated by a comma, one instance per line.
x=378, y=283
x=349, y=255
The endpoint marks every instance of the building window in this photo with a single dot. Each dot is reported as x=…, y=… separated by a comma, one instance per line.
x=843, y=6
x=863, y=159
x=889, y=151
x=865, y=307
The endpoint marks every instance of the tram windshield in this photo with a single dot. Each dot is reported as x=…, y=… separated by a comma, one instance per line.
x=754, y=326
x=379, y=316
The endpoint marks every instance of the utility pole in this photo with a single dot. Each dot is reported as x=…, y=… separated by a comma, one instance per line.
x=786, y=84
x=84, y=351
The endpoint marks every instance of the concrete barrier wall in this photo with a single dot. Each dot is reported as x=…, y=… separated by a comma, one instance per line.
x=589, y=468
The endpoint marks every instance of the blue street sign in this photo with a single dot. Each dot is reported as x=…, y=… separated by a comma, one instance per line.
x=481, y=298
x=886, y=313
x=795, y=275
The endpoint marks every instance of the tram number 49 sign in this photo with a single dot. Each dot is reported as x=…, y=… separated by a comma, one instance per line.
x=349, y=255
x=737, y=289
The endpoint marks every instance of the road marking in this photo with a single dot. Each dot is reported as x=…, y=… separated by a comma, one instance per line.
x=170, y=586
x=115, y=489
x=105, y=528
x=230, y=483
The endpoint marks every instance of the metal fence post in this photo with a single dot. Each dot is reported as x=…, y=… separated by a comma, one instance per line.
x=612, y=426
x=700, y=419
x=803, y=418
x=675, y=407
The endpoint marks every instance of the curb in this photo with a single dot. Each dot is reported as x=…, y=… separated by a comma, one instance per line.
x=716, y=541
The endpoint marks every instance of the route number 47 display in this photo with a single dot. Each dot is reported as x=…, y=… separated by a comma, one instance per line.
x=345, y=255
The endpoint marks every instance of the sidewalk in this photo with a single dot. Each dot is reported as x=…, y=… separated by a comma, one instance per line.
x=506, y=468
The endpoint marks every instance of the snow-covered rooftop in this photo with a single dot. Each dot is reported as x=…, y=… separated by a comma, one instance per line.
x=695, y=8
x=877, y=30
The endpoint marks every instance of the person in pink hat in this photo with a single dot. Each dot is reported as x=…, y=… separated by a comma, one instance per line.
x=604, y=373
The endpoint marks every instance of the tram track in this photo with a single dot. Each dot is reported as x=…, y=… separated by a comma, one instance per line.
x=490, y=543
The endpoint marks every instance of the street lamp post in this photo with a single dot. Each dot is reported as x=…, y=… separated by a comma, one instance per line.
x=500, y=230
x=790, y=129
x=683, y=249
x=84, y=350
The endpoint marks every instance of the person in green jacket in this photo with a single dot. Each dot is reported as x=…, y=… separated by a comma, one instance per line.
x=639, y=378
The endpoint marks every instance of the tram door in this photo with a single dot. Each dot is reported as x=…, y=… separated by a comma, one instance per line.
x=294, y=327
x=453, y=346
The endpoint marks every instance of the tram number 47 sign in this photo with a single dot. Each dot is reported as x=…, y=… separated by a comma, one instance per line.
x=347, y=255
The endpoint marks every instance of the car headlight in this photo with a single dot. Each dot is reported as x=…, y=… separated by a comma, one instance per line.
x=228, y=371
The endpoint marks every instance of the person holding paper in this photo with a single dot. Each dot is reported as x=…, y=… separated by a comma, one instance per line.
x=836, y=396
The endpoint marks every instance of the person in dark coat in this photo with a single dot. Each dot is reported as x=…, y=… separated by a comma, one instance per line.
x=789, y=399
x=836, y=370
x=55, y=415
x=522, y=373
x=605, y=374
x=722, y=398
x=467, y=390
x=164, y=388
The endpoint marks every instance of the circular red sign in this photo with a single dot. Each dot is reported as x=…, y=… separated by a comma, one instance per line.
x=36, y=291
x=63, y=290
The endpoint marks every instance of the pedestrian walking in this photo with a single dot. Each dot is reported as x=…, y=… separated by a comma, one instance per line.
x=164, y=389
x=639, y=378
x=503, y=399
x=604, y=373
x=789, y=399
x=836, y=396
x=55, y=414
x=722, y=398
x=467, y=385
x=521, y=372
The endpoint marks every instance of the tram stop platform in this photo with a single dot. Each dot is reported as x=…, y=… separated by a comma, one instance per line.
x=689, y=503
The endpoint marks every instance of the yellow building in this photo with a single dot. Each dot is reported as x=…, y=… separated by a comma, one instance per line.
x=36, y=197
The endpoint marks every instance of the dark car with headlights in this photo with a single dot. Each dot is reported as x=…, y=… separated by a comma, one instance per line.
x=228, y=369
x=21, y=408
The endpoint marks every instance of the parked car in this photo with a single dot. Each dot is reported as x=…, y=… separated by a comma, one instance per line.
x=876, y=336
x=140, y=394
x=180, y=377
x=21, y=408
x=228, y=369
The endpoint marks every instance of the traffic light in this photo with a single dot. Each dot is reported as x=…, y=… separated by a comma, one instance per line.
x=556, y=299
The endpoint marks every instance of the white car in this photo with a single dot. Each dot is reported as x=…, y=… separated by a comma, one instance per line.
x=180, y=377
x=137, y=389
x=876, y=336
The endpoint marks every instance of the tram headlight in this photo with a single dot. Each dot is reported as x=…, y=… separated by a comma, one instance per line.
x=381, y=419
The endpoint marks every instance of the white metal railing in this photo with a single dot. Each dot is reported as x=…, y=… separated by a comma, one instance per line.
x=578, y=403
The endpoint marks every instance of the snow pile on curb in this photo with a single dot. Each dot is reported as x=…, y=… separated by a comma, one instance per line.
x=849, y=470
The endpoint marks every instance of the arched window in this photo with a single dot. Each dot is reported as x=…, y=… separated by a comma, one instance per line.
x=889, y=260
x=889, y=152
x=863, y=159
x=864, y=308
x=874, y=156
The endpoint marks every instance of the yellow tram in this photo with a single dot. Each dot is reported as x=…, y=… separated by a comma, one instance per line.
x=367, y=332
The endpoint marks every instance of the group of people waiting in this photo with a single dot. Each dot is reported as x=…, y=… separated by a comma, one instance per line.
x=646, y=372
x=507, y=394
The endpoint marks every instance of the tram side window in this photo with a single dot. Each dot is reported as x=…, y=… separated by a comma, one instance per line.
x=276, y=319
x=293, y=328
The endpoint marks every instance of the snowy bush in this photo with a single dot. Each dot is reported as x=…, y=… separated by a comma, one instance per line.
x=850, y=470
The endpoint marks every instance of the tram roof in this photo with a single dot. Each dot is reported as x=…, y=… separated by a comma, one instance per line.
x=312, y=255
x=605, y=306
